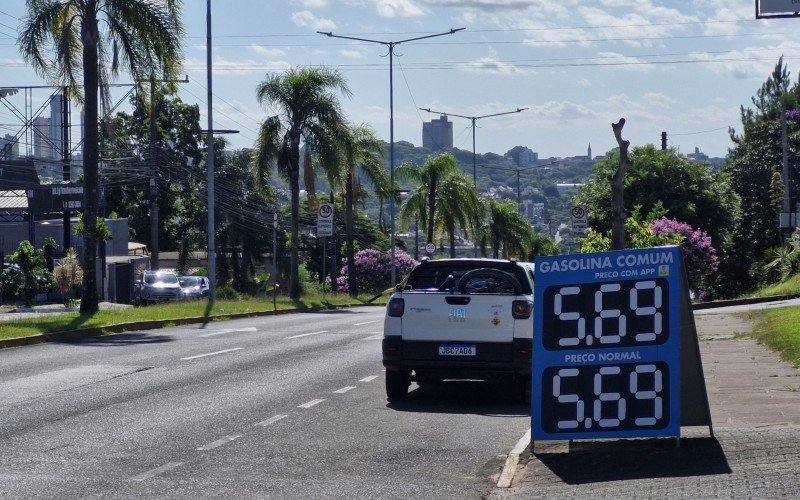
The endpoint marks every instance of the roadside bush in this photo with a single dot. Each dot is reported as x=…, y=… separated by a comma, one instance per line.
x=28, y=274
x=309, y=281
x=374, y=270
x=227, y=292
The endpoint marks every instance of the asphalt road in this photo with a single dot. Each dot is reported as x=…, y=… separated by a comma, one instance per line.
x=289, y=406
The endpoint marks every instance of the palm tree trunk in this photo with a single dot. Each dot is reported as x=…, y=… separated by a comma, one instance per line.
x=294, y=259
x=308, y=178
x=452, y=236
x=352, y=284
x=431, y=210
x=91, y=81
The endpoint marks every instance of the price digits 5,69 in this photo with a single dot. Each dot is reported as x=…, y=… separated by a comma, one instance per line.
x=606, y=315
x=613, y=397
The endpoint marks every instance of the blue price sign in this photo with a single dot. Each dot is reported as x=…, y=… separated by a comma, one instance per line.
x=606, y=345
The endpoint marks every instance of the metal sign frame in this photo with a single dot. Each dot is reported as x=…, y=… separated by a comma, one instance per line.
x=580, y=345
x=775, y=9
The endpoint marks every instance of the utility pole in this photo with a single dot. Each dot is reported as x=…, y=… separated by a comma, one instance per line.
x=154, y=264
x=391, y=46
x=65, y=165
x=155, y=149
x=211, y=253
x=335, y=256
x=473, y=119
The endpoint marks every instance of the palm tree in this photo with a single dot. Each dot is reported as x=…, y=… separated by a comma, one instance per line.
x=364, y=153
x=309, y=113
x=458, y=203
x=506, y=228
x=93, y=39
x=427, y=178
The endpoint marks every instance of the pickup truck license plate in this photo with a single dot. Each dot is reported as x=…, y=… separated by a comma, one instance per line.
x=457, y=350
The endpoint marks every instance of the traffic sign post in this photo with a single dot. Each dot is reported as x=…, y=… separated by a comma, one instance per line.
x=430, y=248
x=580, y=218
x=325, y=220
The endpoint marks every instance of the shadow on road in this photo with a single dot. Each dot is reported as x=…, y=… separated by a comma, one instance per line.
x=464, y=397
x=601, y=461
x=120, y=339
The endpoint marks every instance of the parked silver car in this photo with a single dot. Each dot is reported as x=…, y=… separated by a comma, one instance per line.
x=194, y=287
x=157, y=286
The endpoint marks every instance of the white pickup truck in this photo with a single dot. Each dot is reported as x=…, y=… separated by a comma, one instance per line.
x=460, y=319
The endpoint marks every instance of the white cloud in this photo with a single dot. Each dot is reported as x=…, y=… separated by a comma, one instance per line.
x=266, y=51
x=584, y=83
x=564, y=111
x=748, y=63
x=623, y=62
x=227, y=67
x=399, y=8
x=351, y=54
x=658, y=99
x=490, y=65
x=307, y=19
x=310, y=4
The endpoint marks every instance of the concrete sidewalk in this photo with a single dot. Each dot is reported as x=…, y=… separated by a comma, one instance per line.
x=755, y=409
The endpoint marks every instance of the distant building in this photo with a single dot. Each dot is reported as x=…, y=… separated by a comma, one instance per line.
x=9, y=147
x=437, y=134
x=587, y=157
x=533, y=211
x=41, y=138
x=564, y=188
x=528, y=158
x=697, y=155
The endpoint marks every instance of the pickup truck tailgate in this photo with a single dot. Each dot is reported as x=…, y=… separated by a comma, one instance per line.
x=431, y=316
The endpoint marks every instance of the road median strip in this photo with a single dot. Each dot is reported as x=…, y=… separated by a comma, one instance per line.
x=96, y=331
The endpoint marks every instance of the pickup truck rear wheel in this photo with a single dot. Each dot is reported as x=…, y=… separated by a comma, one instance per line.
x=397, y=382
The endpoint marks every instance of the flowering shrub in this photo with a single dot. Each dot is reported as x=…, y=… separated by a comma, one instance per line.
x=699, y=256
x=374, y=270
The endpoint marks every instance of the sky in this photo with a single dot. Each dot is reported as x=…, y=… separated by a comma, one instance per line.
x=684, y=67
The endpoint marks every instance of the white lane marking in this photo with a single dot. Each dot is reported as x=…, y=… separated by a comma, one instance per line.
x=158, y=470
x=368, y=379
x=366, y=323
x=219, y=442
x=306, y=334
x=377, y=336
x=230, y=330
x=271, y=420
x=311, y=403
x=212, y=353
x=344, y=389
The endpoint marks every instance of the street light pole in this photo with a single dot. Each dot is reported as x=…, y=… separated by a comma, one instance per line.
x=211, y=253
x=391, y=46
x=473, y=119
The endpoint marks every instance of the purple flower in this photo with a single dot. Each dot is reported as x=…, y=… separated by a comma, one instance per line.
x=373, y=270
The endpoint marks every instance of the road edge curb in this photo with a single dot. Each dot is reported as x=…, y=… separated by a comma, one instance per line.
x=510, y=467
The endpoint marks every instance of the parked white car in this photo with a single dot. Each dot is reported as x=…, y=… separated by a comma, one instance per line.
x=460, y=319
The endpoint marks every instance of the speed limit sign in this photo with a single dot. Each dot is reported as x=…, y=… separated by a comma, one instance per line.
x=430, y=248
x=325, y=220
x=580, y=218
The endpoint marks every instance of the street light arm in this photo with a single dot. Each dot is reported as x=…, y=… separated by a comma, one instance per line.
x=448, y=114
x=518, y=110
x=330, y=34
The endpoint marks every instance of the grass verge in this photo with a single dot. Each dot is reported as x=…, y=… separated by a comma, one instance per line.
x=170, y=311
x=788, y=287
x=779, y=329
